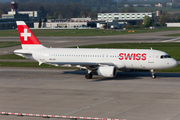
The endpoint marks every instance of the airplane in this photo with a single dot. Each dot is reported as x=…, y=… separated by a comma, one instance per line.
x=104, y=62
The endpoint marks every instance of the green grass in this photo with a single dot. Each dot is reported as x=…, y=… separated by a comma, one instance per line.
x=175, y=69
x=9, y=33
x=24, y=64
x=29, y=64
x=11, y=56
x=82, y=32
x=8, y=44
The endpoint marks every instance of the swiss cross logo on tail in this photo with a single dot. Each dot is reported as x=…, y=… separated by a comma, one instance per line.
x=25, y=34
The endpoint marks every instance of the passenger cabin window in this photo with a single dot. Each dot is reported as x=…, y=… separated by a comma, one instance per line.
x=165, y=56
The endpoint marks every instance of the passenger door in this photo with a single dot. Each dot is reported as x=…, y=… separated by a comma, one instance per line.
x=151, y=57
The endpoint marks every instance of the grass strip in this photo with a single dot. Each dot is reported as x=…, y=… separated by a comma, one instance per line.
x=174, y=70
x=83, y=32
x=30, y=64
x=11, y=56
x=9, y=44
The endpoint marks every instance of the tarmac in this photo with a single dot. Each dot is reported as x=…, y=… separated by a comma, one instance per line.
x=131, y=95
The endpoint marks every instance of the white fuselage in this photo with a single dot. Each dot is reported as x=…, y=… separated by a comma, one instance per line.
x=121, y=58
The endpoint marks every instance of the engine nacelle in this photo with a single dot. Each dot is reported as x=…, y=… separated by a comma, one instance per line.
x=107, y=71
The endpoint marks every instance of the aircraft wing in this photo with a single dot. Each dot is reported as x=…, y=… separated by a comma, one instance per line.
x=87, y=65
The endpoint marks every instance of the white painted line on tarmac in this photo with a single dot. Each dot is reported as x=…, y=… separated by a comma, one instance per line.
x=170, y=40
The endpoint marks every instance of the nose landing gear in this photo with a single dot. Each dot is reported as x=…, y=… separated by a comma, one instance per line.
x=153, y=74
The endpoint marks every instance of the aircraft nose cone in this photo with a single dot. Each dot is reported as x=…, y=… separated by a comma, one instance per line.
x=174, y=63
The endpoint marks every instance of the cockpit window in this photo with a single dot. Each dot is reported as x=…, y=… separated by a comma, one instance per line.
x=165, y=56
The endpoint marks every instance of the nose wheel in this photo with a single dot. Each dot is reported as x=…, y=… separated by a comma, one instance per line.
x=153, y=74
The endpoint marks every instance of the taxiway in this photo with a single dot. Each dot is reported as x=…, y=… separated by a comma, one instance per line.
x=131, y=95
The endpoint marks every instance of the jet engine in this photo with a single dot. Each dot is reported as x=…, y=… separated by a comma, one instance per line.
x=107, y=71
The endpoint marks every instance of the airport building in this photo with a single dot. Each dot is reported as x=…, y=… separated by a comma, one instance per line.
x=8, y=21
x=69, y=25
x=123, y=16
x=73, y=23
x=173, y=24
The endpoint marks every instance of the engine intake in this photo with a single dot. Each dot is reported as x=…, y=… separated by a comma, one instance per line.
x=107, y=71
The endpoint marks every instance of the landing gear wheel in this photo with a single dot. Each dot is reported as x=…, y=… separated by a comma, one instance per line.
x=88, y=76
x=153, y=76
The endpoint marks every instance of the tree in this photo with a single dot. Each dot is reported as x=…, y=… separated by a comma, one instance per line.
x=82, y=14
x=59, y=16
x=98, y=9
x=139, y=23
x=123, y=1
x=164, y=17
x=127, y=10
x=45, y=20
x=129, y=26
x=176, y=19
x=55, y=15
x=146, y=10
x=40, y=23
x=1, y=12
x=123, y=10
x=176, y=4
x=41, y=8
x=48, y=16
x=147, y=21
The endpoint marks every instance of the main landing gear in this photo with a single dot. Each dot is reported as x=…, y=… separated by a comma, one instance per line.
x=89, y=75
x=153, y=73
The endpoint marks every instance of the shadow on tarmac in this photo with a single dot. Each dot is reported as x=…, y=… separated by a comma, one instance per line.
x=125, y=75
